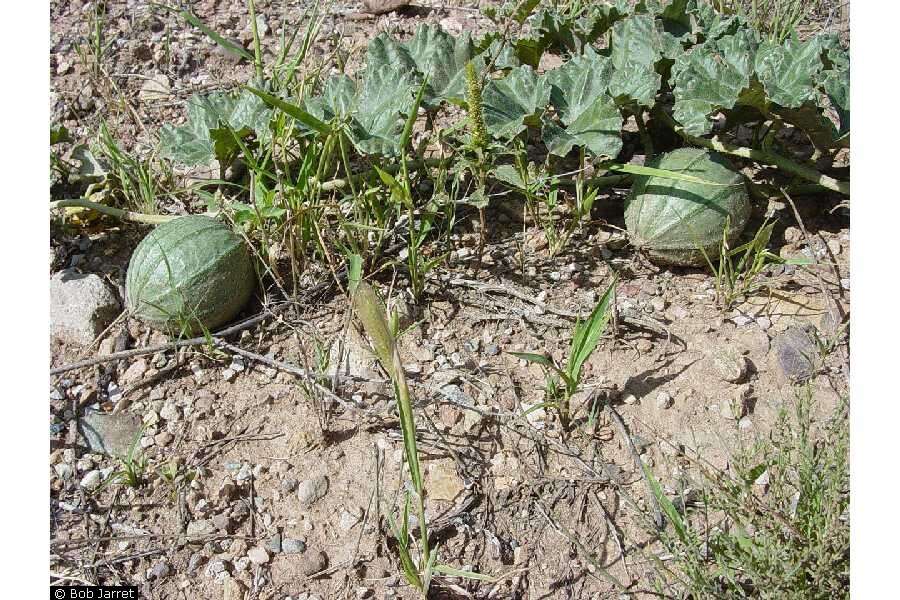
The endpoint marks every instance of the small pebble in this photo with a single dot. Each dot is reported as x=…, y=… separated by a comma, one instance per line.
x=63, y=471
x=741, y=320
x=311, y=490
x=630, y=399
x=244, y=473
x=730, y=365
x=194, y=562
x=222, y=522
x=313, y=563
x=91, y=481
x=664, y=400
x=258, y=555
x=160, y=570
x=290, y=546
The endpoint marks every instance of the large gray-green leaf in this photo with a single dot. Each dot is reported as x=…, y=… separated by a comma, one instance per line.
x=709, y=24
x=442, y=58
x=385, y=50
x=515, y=101
x=710, y=78
x=190, y=144
x=573, y=31
x=590, y=116
x=835, y=81
x=789, y=71
x=375, y=110
x=383, y=102
x=338, y=99
x=212, y=122
x=637, y=45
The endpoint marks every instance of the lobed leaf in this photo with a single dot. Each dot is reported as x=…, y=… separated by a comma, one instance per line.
x=212, y=123
x=512, y=103
x=590, y=116
x=709, y=78
x=637, y=46
x=386, y=94
x=789, y=71
x=441, y=58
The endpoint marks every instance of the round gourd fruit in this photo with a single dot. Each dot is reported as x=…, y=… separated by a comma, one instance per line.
x=189, y=274
x=670, y=220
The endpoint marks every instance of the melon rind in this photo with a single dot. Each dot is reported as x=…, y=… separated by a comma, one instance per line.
x=189, y=274
x=670, y=220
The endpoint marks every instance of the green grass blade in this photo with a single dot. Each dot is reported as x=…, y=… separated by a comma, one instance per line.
x=451, y=572
x=354, y=271
x=663, y=173
x=543, y=361
x=225, y=44
x=667, y=507
x=292, y=110
x=413, y=115
x=369, y=310
x=588, y=333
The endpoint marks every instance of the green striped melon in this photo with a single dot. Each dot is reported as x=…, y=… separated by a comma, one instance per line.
x=671, y=220
x=189, y=274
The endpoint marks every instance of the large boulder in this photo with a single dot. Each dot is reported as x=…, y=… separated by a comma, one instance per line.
x=81, y=306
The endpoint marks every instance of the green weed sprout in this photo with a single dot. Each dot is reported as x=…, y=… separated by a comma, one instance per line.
x=584, y=341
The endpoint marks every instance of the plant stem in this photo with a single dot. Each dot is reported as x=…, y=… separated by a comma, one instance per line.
x=257, y=62
x=125, y=215
x=786, y=164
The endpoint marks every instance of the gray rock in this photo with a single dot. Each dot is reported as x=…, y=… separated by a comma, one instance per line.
x=155, y=89
x=91, y=481
x=135, y=371
x=796, y=352
x=170, y=412
x=311, y=490
x=194, y=562
x=289, y=484
x=664, y=400
x=290, y=546
x=63, y=471
x=232, y=589
x=81, y=306
x=348, y=520
x=274, y=544
x=258, y=555
x=200, y=528
x=244, y=473
x=215, y=567
x=160, y=570
x=730, y=365
x=313, y=562
x=222, y=522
